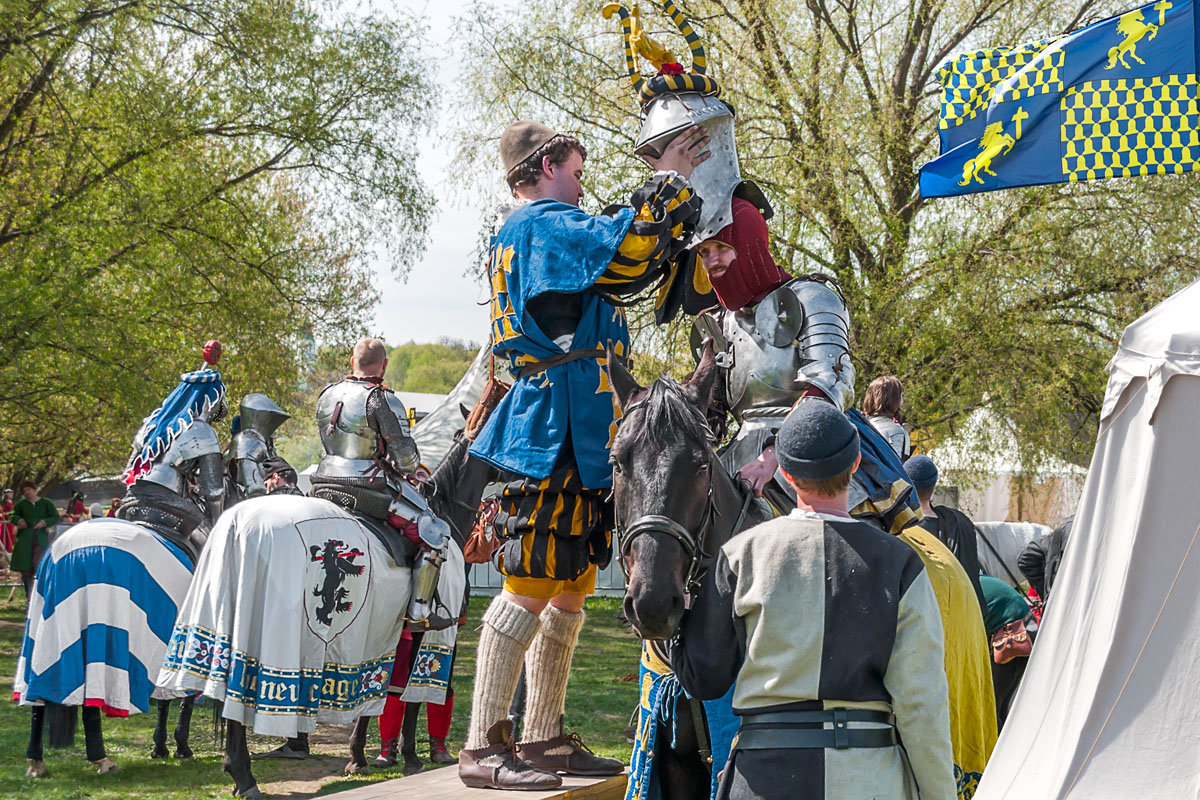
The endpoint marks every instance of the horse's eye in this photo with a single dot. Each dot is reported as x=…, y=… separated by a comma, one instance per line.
x=705, y=466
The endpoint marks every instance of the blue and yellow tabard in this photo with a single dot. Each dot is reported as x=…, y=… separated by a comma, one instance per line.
x=549, y=246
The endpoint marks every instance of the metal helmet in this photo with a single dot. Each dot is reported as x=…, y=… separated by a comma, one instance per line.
x=714, y=180
x=261, y=414
x=675, y=100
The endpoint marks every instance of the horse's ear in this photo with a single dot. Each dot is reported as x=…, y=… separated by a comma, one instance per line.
x=699, y=387
x=623, y=383
x=466, y=412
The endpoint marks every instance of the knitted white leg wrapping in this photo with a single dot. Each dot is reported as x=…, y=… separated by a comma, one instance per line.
x=507, y=631
x=547, y=667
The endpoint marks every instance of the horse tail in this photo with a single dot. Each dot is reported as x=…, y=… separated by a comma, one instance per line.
x=218, y=724
x=1112, y=56
x=699, y=57
x=61, y=722
x=631, y=64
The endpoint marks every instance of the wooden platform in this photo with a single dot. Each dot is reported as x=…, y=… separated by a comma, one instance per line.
x=443, y=784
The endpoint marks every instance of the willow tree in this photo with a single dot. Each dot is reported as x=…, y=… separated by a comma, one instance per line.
x=1012, y=300
x=172, y=171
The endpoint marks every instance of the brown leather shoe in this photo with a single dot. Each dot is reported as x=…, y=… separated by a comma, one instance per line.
x=497, y=766
x=567, y=753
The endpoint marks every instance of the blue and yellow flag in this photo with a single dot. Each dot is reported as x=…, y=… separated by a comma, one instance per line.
x=1114, y=99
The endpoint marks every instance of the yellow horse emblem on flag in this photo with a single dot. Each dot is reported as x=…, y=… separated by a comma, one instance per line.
x=1133, y=27
x=994, y=142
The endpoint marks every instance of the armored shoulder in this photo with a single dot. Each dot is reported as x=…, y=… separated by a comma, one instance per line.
x=397, y=407
x=198, y=440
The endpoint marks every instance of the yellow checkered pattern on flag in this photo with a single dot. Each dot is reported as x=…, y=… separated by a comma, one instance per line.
x=1139, y=126
x=969, y=80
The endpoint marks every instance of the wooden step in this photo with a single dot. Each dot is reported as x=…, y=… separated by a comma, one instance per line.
x=443, y=784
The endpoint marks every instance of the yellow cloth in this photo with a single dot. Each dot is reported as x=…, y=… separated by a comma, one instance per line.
x=968, y=659
x=547, y=589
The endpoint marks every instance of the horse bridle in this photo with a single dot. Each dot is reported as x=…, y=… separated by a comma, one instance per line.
x=693, y=544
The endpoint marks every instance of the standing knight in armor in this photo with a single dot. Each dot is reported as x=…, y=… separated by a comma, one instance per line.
x=253, y=444
x=175, y=474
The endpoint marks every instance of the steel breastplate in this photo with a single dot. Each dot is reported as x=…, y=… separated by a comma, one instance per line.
x=815, y=351
x=342, y=420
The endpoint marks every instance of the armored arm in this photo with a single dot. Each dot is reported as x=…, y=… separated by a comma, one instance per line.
x=666, y=211
x=389, y=419
x=251, y=477
x=249, y=453
x=210, y=484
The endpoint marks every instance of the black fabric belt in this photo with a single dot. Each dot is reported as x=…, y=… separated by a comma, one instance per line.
x=536, y=367
x=781, y=730
x=358, y=499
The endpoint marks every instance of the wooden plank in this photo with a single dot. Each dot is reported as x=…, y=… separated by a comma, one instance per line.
x=443, y=784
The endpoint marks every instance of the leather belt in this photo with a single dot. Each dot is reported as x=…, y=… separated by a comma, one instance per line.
x=529, y=370
x=780, y=730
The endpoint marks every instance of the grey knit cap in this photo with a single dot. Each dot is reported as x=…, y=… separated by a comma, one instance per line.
x=922, y=472
x=816, y=441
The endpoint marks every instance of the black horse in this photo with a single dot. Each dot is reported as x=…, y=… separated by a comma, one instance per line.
x=454, y=492
x=675, y=505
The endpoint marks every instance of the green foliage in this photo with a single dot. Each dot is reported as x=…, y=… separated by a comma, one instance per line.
x=171, y=172
x=433, y=368
x=1012, y=299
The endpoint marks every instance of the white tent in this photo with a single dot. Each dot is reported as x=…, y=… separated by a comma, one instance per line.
x=982, y=460
x=1108, y=707
x=435, y=432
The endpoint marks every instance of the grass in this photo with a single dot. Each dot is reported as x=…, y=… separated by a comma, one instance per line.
x=600, y=698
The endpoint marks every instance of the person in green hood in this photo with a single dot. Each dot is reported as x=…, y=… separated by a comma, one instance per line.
x=34, y=517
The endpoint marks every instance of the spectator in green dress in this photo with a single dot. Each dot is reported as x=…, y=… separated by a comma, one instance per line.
x=34, y=517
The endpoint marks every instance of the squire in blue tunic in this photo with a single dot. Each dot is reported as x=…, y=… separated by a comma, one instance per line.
x=549, y=246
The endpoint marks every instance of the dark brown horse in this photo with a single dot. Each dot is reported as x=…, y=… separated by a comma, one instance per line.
x=675, y=505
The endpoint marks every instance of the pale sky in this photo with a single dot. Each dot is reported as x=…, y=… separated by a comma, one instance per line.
x=437, y=299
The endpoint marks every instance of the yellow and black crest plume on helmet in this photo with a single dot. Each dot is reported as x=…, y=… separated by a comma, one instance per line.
x=671, y=77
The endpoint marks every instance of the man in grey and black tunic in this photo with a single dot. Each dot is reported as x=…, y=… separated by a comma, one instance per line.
x=829, y=632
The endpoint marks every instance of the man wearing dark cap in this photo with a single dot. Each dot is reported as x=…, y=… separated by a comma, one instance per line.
x=952, y=527
x=829, y=632
x=558, y=275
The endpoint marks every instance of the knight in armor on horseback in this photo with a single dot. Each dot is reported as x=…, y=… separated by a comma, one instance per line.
x=557, y=273
x=780, y=340
x=252, y=449
x=176, y=475
x=369, y=451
